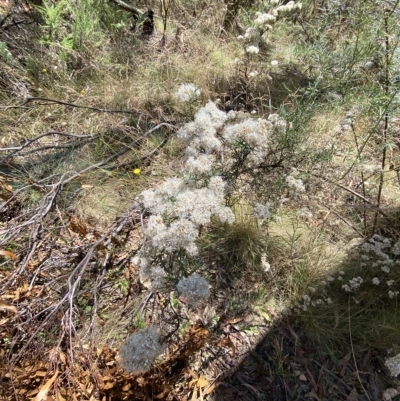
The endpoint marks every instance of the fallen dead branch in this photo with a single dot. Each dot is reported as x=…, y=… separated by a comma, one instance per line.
x=55, y=101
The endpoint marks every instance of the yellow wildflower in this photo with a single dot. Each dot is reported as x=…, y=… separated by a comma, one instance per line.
x=136, y=171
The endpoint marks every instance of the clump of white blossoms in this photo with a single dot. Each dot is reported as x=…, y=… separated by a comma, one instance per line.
x=187, y=92
x=214, y=138
x=295, y=183
x=252, y=49
x=194, y=289
x=200, y=135
x=264, y=263
x=393, y=364
x=140, y=349
x=256, y=35
x=375, y=281
x=154, y=278
x=290, y=6
x=262, y=211
x=179, y=209
x=378, y=252
x=354, y=284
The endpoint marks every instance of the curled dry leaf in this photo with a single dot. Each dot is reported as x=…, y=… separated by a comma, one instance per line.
x=6, y=190
x=78, y=226
x=5, y=305
x=45, y=389
x=9, y=254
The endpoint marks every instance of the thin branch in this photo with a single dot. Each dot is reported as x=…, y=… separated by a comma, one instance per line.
x=49, y=101
x=28, y=142
x=351, y=191
x=118, y=154
x=128, y=7
x=144, y=157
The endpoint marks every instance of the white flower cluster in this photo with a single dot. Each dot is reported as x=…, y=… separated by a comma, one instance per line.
x=379, y=249
x=152, y=277
x=140, y=349
x=264, y=263
x=178, y=210
x=354, y=284
x=396, y=248
x=214, y=132
x=264, y=20
x=307, y=301
x=389, y=394
x=287, y=8
x=322, y=292
x=263, y=23
x=252, y=49
x=180, y=234
x=254, y=134
x=187, y=93
x=194, y=289
x=393, y=364
x=262, y=211
x=295, y=183
x=200, y=135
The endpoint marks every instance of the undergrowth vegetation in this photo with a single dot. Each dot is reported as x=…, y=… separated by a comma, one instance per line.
x=199, y=200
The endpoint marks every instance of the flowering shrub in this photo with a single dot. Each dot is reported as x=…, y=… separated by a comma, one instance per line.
x=219, y=146
x=257, y=34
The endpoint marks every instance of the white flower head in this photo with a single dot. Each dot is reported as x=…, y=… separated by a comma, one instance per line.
x=294, y=183
x=262, y=211
x=153, y=278
x=393, y=364
x=263, y=19
x=264, y=264
x=194, y=289
x=396, y=248
x=375, y=281
x=140, y=349
x=252, y=49
x=187, y=92
x=346, y=287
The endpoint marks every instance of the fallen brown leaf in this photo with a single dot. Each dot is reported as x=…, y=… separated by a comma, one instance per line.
x=5, y=305
x=78, y=226
x=9, y=254
x=202, y=382
x=45, y=389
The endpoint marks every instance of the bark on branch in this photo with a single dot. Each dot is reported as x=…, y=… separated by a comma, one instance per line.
x=146, y=18
x=127, y=7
